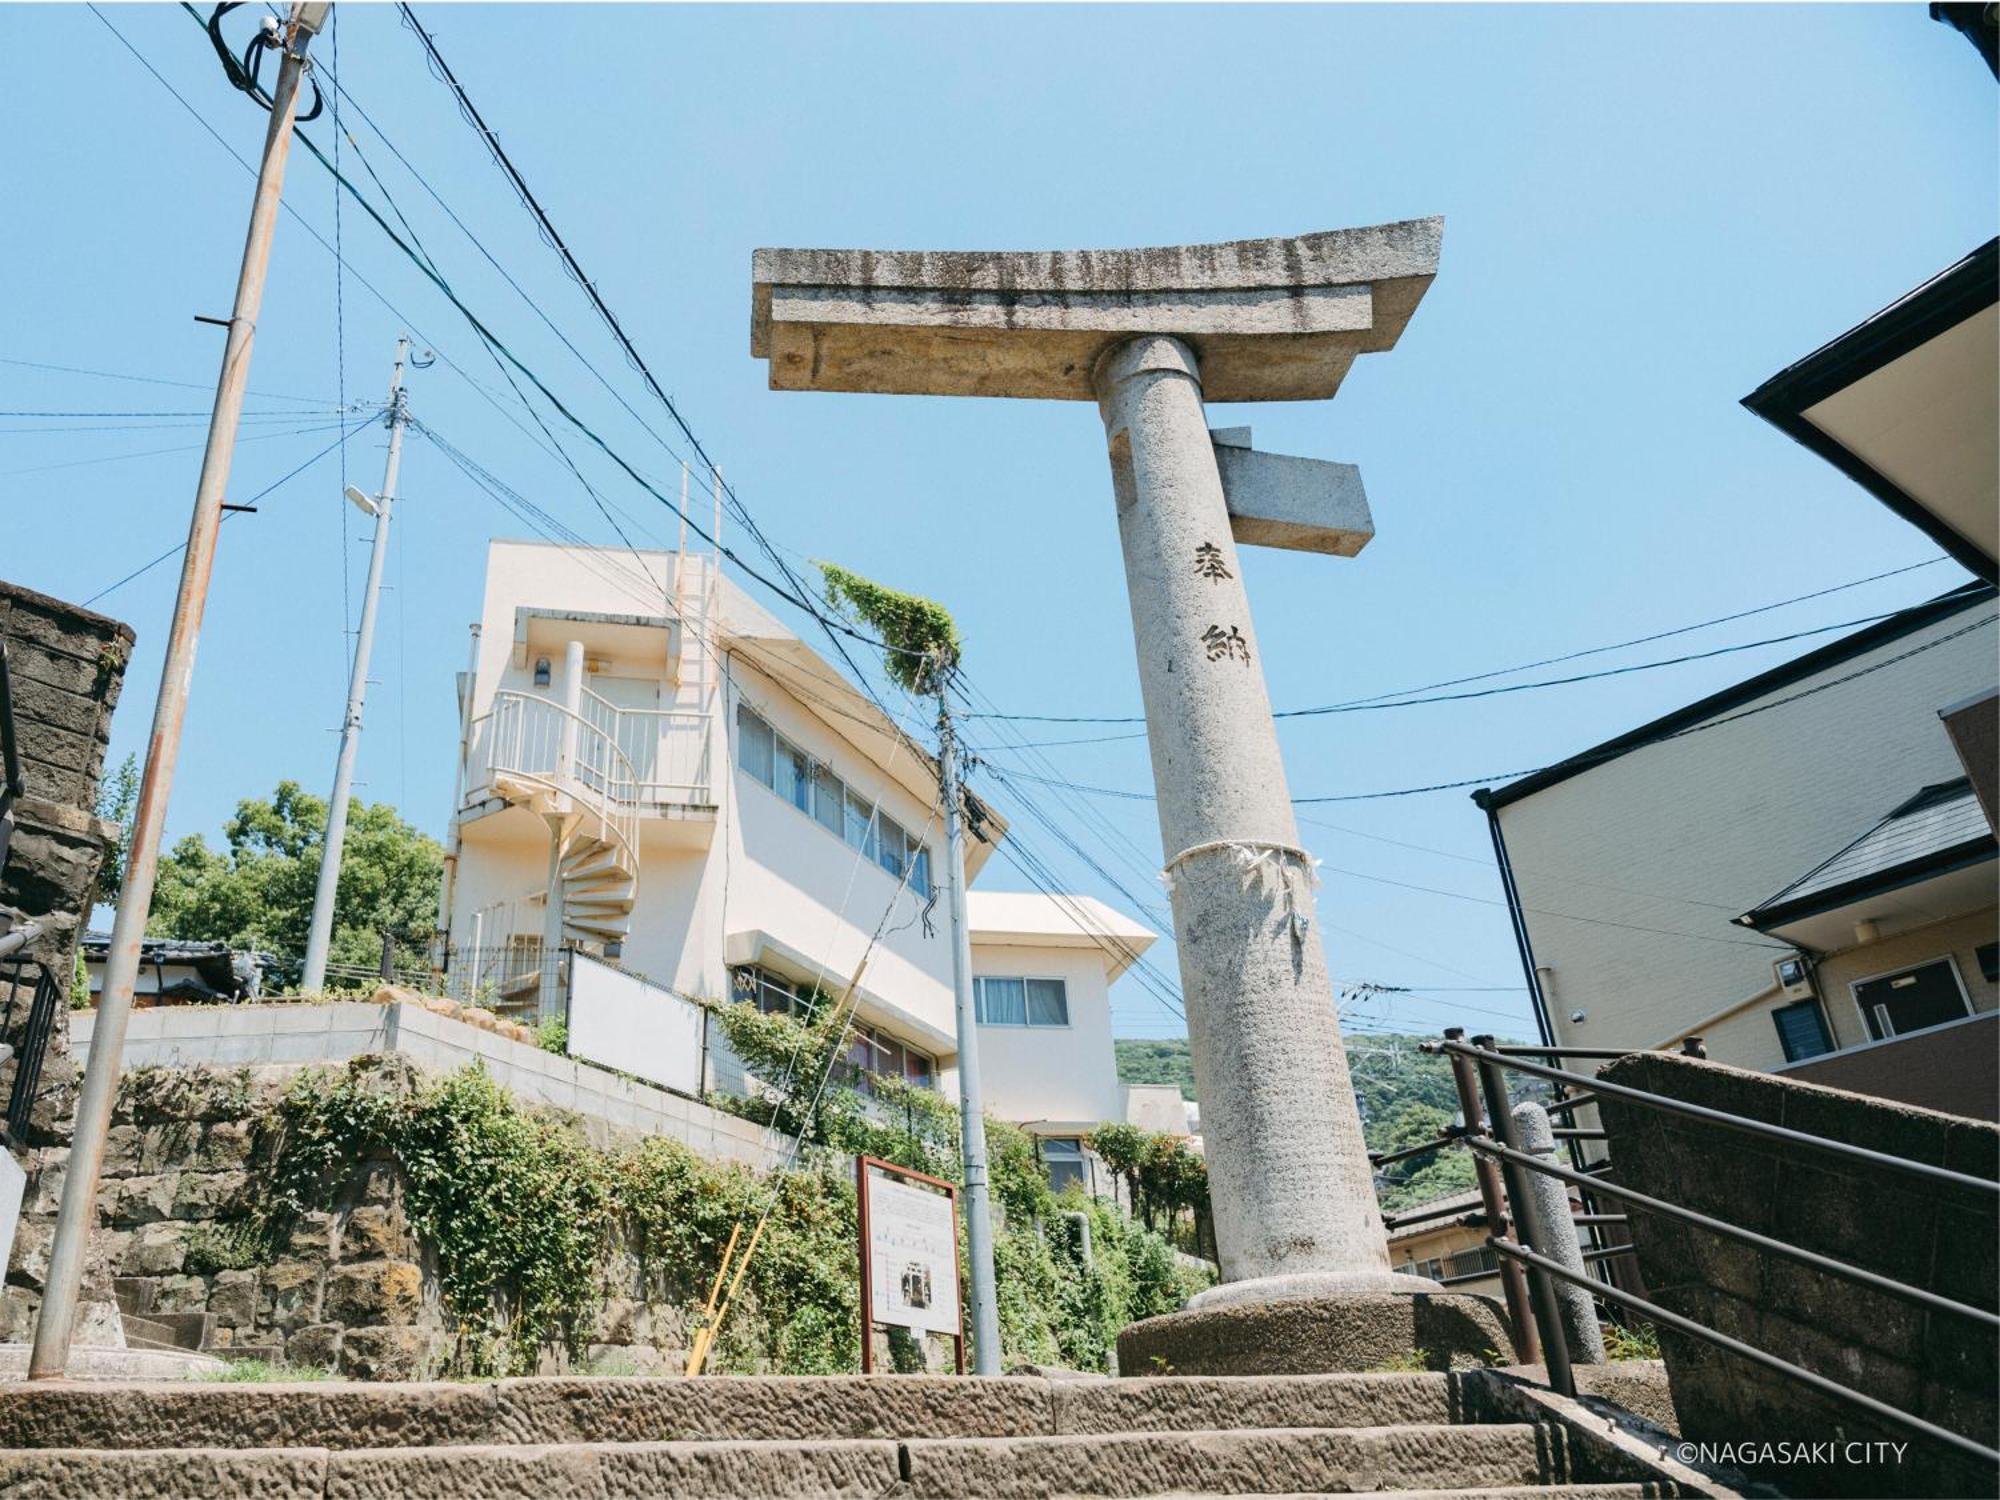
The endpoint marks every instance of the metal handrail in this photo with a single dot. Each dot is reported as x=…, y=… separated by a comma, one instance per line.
x=1735, y=1232
x=1422, y=1148
x=1495, y=1057
x=34, y=1047
x=1501, y=1150
x=1658, y=1314
x=589, y=762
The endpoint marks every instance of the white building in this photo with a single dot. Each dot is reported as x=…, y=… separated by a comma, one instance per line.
x=717, y=809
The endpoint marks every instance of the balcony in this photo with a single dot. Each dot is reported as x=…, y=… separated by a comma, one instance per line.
x=621, y=764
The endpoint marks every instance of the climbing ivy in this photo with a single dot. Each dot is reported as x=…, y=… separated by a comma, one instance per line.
x=920, y=635
x=520, y=1213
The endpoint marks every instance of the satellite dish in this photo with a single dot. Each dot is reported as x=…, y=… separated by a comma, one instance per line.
x=362, y=503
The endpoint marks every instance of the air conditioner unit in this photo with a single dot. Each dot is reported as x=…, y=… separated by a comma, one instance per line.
x=1795, y=977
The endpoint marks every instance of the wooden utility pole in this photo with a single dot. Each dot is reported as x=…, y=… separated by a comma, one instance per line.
x=77, y=1215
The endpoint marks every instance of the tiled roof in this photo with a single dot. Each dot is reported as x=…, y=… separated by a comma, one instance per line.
x=1935, y=821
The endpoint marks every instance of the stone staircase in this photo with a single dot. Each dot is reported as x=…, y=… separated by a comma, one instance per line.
x=161, y=1331
x=906, y=1436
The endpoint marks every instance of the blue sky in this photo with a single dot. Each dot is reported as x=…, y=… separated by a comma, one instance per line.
x=1648, y=211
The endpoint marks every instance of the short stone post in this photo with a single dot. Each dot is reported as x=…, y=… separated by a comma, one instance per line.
x=1549, y=1230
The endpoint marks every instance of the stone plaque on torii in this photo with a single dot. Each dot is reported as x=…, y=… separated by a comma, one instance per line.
x=1150, y=335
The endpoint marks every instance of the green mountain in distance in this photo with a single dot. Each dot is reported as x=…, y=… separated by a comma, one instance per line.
x=1406, y=1096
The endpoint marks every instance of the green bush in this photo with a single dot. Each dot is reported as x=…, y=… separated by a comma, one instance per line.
x=520, y=1212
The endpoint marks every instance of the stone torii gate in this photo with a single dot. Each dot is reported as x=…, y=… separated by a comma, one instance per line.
x=1149, y=335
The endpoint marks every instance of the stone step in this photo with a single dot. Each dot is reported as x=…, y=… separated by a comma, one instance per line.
x=1278, y=1462
x=1556, y=1491
x=751, y=1408
x=1250, y=1461
x=655, y=1471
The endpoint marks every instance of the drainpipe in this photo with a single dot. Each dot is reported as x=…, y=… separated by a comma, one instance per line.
x=1523, y=945
x=448, y=887
x=552, y=914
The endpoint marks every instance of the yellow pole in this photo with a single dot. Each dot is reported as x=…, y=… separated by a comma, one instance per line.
x=707, y=1339
x=701, y=1335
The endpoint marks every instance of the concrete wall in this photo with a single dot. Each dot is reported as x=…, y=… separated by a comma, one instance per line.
x=1059, y=1076
x=1631, y=871
x=1945, y=1240
x=186, y=1036
x=1954, y=1068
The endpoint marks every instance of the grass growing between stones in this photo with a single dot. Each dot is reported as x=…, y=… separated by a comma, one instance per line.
x=259, y=1371
x=1642, y=1341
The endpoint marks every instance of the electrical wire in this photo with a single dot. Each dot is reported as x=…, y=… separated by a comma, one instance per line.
x=190, y=385
x=1581, y=761
x=1403, y=698
x=283, y=479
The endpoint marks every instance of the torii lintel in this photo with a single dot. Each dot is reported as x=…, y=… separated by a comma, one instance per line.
x=1269, y=320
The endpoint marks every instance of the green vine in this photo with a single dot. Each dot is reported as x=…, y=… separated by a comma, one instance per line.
x=520, y=1213
x=920, y=635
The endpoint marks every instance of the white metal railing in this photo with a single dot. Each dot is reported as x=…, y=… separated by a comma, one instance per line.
x=536, y=739
x=668, y=748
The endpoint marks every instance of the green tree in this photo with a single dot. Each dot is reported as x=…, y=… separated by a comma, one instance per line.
x=116, y=800
x=257, y=891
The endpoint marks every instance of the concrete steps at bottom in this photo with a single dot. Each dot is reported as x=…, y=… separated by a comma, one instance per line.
x=1498, y=1459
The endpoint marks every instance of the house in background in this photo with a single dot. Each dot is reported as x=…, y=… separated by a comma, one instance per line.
x=657, y=773
x=1796, y=869
x=173, y=971
x=1043, y=969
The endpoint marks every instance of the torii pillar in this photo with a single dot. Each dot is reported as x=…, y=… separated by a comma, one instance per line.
x=1150, y=335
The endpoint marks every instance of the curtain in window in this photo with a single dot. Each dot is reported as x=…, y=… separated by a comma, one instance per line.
x=1002, y=1002
x=1048, y=1003
x=754, y=745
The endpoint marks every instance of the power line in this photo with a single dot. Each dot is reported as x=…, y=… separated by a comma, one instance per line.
x=175, y=551
x=1403, y=700
x=109, y=458
x=1581, y=761
x=189, y=385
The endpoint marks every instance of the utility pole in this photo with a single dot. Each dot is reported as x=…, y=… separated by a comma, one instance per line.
x=971, y=1102
x=320, y=934
x=78, y=1212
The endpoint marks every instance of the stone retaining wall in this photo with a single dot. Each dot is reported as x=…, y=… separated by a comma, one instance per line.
x=443, y=1039
x=352, y=1289
x=66, y=666
x=1942, y=1367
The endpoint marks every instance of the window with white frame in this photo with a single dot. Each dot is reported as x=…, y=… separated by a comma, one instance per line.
x=1063, y=1156
x=814, y=789
x=1006, y=1001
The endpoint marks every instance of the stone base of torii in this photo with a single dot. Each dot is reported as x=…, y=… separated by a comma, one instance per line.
x=1151, y=336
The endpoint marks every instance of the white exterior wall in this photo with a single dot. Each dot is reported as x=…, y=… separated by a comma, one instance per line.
x=1048, y=1076
x=1686, y=834
x=805, y=888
